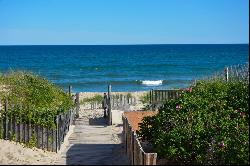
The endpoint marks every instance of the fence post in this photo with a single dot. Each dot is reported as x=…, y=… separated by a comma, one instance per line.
x=109, y=105
x=226, y=74
x=77, y=105
x=57, y=134
x=6, y=119
x=70, y=90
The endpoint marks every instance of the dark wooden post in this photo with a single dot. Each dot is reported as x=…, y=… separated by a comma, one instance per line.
x=226, y=74
x=150, y=96
x=109, y=105
x=77, y=105
x=6, y=120
x=70, y=90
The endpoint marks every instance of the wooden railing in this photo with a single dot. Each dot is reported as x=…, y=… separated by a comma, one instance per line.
x=121, y=101
x=35, y=135
x=134, y=150
x=159, y=97
x=117, y=102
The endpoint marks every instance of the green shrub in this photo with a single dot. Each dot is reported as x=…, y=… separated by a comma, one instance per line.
x=32, y=98
x=207, y=124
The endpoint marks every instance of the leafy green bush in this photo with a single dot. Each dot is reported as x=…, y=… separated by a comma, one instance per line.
x=207, y=124
x=32, y=98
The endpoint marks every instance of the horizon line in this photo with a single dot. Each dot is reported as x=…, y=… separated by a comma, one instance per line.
x=121, y=44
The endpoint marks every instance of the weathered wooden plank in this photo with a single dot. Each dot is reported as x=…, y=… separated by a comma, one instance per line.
x=13, y=128
x=159, y=95
x=165, y=95
x=37, y=136
x=40, y=137
x=26, y=132
x=129, y=141
x=43, y=138
x=162, y=96
x=131, y=144
x=136, y=150
x=152, y=158
x=141, y=161
x=21, y=132
x=6, y=120
x=150, y=96
x=57, y=133
x=126, y=134
x=17, y=128
x=29, y=131
x=77, y=104
x=1, y=127
x=156, y=96
x=10, y=132
x=49, y=139
x=54, y=147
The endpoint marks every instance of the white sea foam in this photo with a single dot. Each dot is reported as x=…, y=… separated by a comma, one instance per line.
x=152, y=83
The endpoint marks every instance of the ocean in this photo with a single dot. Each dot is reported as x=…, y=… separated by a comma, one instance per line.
x=90, y=68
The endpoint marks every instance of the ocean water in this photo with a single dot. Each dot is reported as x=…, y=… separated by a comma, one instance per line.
x=91, y=68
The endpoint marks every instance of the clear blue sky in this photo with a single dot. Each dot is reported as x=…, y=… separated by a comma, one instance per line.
x=123, y=21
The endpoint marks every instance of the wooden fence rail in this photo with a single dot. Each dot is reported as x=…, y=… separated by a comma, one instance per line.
x=159, y=97
x=134, y=150
x=122, y=101
x=35, y=135
x=117, y=102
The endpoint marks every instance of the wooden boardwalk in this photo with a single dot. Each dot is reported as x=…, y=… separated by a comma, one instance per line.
x=91, y=144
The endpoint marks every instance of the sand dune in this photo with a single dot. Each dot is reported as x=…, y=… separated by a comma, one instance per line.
x=15, y=153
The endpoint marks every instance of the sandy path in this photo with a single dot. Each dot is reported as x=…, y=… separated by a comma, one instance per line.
x=93, y=142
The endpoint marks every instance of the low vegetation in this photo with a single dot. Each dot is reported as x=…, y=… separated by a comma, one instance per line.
x=32, y=98
x=207, y=124
x=95, y=99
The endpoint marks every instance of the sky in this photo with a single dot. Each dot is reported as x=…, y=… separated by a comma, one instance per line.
x=106, y=22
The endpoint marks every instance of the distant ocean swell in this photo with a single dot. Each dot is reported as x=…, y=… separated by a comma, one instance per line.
x=152, y=82
x=136, y=82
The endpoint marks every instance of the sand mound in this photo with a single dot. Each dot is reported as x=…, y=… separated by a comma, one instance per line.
x=15, y=153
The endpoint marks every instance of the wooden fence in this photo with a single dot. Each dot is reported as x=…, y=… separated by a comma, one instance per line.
x=35, y=135
x=117, y=102
x=121, y=101
x=133, y=147
x=234, y=72
x=159, y=97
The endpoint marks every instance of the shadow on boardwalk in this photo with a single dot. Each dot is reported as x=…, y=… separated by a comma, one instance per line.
x=98, y=121
x=91, y=144
x=92, y=154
